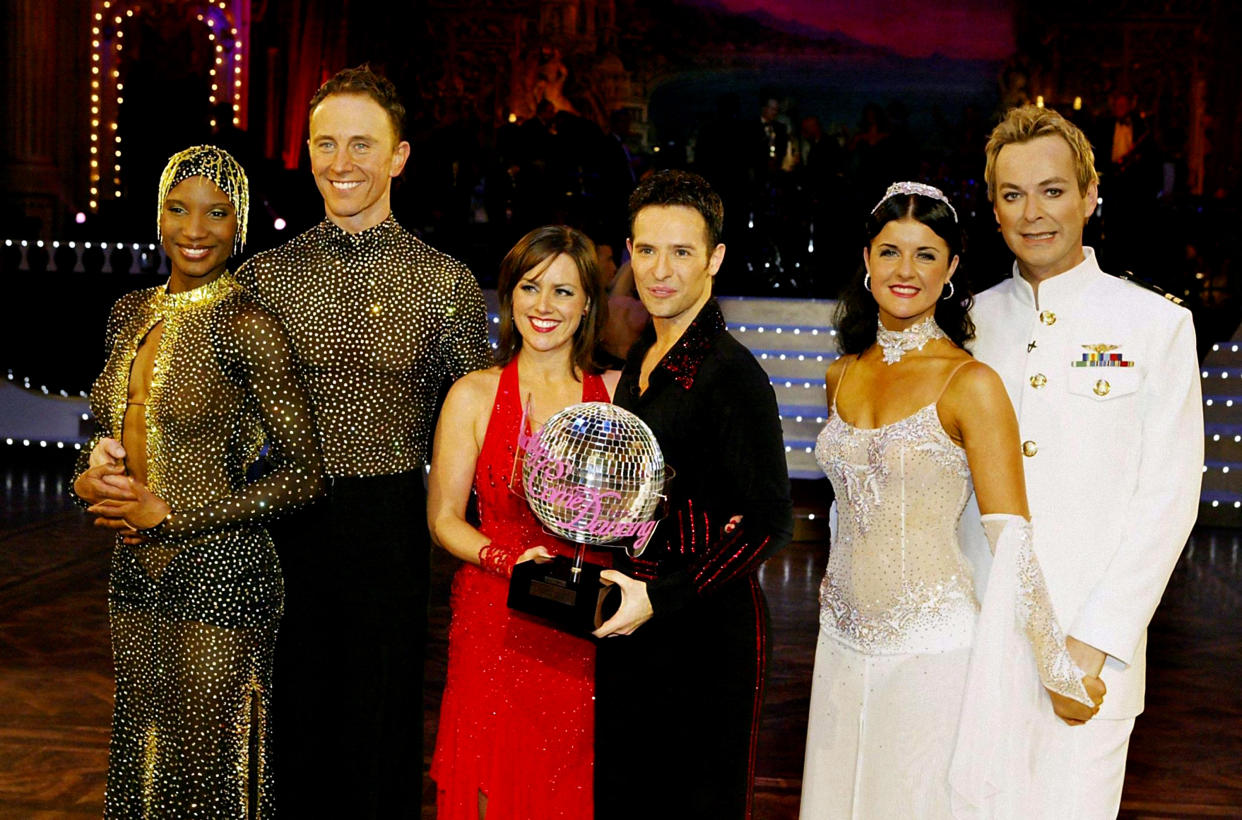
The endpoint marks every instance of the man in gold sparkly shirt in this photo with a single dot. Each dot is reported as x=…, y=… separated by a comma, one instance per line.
x=379, y=322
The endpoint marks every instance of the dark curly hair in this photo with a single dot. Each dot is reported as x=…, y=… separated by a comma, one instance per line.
x=365, y=81
x=533, y=250
x=857, y=313
x=672, y=187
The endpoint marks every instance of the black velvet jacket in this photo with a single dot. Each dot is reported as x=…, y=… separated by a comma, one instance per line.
x=713, y=411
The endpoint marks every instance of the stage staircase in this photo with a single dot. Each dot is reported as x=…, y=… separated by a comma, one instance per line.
x=1220, y=503
x=794, y=341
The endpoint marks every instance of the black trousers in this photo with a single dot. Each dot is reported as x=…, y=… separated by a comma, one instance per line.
x=347, y=699
x=676, y=711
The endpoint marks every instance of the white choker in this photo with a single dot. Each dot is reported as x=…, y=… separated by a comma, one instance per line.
x=896, y=343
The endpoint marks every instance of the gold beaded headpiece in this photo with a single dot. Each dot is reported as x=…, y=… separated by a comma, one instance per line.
x=217, y=165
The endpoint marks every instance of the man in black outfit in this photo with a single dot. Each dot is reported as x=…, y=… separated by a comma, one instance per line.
x=380, y=322
x=680, y=670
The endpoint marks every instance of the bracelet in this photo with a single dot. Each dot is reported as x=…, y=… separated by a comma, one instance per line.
x=498, y=558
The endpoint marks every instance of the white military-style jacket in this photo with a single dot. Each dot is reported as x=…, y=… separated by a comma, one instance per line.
x=1104, y=377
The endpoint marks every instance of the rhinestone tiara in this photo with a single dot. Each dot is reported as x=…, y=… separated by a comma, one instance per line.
x=920, y=188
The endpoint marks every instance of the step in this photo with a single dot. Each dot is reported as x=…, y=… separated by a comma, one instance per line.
x=1224, y=380
x=801, y=364
x=816, y=412
x=1219, y=517
x=805, y=429
x=1216, y=485
x=757, y=310
x=786, y=338
x=1227, y=451
x=1222, y=446
x=1221, y=409
x=1226, y=494
x=1222, y=475
x=800, y=445
x=800, y=393
x=1220, y=509
x=1224, y=354
x=801, y=464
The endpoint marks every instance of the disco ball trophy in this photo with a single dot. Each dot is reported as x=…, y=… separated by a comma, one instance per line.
x=593, y=474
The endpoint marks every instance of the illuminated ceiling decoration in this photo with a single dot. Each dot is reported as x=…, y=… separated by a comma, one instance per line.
x=225, y=24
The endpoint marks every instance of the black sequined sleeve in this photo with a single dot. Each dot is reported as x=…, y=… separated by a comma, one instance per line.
x=463, y=342
x=742, y=513
x=254, y=350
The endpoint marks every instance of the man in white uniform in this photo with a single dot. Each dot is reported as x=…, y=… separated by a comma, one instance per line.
x=1104, y=377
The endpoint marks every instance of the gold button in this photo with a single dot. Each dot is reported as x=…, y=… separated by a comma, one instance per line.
x=1048, y=317
x=1029, y=448
x=1038, y=380
x=1101, y=388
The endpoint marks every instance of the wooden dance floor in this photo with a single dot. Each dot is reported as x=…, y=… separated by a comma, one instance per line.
x=56, y=670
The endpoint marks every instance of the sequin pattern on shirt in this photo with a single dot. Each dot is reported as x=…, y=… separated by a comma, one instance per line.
x=896, y=579
x=194, y=611
x=379, y=322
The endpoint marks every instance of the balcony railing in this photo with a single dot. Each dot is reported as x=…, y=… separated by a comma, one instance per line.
x=37, y=256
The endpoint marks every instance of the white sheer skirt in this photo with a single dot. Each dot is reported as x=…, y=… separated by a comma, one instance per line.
x=881, y=732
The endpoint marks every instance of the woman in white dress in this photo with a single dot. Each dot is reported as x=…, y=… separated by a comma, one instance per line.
x=912, y=418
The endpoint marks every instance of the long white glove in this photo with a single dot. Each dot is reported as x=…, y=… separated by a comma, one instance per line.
x=1057, y=670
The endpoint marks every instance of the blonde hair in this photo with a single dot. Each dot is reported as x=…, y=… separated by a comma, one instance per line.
x=1027, y=122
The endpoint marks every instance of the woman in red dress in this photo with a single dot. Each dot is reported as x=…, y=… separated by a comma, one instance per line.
x=517, y=719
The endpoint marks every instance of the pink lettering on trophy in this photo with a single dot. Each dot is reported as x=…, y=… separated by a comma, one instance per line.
x=536, y=454
x=591, y=506
x=586, y=511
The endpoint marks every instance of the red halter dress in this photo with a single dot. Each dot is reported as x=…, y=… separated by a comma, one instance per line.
x=517, y=719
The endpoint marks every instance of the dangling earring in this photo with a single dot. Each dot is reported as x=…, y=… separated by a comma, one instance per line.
x=867, y=282
x=950, y=296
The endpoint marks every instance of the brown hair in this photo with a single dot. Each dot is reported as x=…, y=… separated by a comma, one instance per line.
x=362, y=80
x=532, y=250
x=1027, y=122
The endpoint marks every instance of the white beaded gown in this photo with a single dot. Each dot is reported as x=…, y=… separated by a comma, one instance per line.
x=897, y=619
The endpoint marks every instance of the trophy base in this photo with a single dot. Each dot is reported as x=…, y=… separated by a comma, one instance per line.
x=573, y=602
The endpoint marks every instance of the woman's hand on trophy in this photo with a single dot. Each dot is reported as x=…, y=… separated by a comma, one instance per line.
x=635, y=609
x=539, y=555
x=144, y=511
